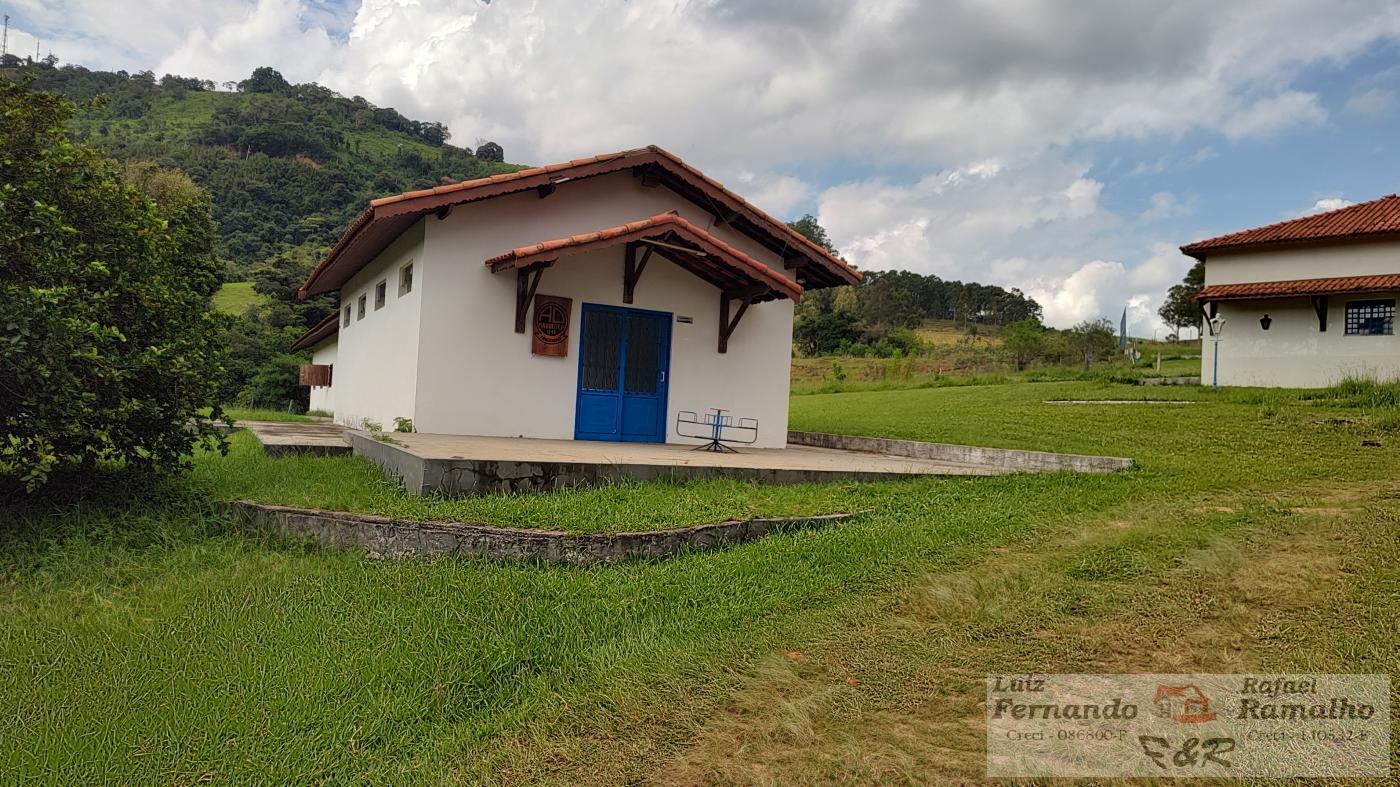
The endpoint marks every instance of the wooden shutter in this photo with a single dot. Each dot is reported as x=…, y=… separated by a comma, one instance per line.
x=316, y=375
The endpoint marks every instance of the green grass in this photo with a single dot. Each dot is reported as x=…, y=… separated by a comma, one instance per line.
x=349, y=483
x=141, y=640
x=250, y=414
x=236, y=297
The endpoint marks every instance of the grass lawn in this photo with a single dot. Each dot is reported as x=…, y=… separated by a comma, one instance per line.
x=349, y=483
x=243, y=414
x=235, y=297
x=143, y=641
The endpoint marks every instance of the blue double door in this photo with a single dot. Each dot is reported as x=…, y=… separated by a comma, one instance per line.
x=624, y=361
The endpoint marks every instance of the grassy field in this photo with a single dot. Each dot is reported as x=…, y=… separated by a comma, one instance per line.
x=960, y=354
x=235, y=297
x=144, y=641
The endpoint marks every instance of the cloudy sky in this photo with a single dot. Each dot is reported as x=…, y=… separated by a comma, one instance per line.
x=1064, y=148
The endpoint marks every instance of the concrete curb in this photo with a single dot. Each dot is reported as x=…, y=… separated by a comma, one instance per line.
x=1009, y=458
x=385, y=537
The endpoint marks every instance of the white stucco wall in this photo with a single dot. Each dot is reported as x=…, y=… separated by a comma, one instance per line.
x=477, y=376
x=1293, y=353
x=323, y=398
x=376, y=372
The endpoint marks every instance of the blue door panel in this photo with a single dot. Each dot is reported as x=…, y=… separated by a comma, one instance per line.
x=624, y=358
x=597, y=416
x=640, y=417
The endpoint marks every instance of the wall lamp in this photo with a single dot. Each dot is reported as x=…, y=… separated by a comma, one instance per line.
x=1265, y=322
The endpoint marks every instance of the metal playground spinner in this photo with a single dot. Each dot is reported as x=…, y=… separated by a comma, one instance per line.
x=719, y=430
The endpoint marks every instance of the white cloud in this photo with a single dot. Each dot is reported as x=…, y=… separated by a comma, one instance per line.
x=270, y=32
x=1081, y=295
x=986, y=111
x=1323, y=205
x=779, y=195
x=1270, y=115
x=1165, y=205
x=1376, y=102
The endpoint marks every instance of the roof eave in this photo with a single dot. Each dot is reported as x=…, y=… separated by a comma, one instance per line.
x=428, y=200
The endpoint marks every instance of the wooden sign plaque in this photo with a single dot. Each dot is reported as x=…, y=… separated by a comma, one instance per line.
x=551, y=326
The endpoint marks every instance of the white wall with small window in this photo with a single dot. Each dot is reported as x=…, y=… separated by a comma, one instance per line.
x=1293, y=347
x=376, y=374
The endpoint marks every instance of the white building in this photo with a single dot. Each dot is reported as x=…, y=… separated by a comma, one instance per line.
x=595, y=299
x=1303, y=303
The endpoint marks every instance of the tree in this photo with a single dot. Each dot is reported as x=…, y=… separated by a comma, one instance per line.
x=490, y=151
x=1025, y=340
x=110, y=348
x=1179, y=309
x=265, y=79
x=808, y=227
x=826, y=333
x=1092, y=340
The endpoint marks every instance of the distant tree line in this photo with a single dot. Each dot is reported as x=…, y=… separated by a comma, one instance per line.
x=877, y=318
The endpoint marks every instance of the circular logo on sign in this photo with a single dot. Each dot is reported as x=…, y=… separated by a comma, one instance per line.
x=550, y=325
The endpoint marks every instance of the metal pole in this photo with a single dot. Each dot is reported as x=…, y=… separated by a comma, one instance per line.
x=1215, y=366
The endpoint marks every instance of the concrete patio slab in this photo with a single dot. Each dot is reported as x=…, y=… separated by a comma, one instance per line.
x=281, y=438
x=471, y=465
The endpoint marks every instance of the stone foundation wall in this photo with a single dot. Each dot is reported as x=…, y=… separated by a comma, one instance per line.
x=385, y=537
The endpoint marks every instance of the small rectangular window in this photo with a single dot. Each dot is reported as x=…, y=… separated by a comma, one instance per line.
x=405, y=280
x=379, y=290
x=360, y=308
x=346, y=323
x=1370, y=318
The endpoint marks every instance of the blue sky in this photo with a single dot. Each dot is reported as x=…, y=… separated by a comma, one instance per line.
x=1065, y=149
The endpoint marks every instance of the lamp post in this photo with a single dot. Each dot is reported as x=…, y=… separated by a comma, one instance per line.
x=1217, y=324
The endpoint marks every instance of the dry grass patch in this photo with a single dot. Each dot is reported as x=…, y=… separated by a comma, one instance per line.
x=1257, y=595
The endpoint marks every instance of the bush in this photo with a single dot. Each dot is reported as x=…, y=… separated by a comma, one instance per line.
x=109, y=347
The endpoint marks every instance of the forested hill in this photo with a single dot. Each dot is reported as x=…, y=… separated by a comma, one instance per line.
x=287, y=165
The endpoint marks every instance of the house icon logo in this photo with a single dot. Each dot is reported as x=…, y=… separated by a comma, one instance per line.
x=1186, y=704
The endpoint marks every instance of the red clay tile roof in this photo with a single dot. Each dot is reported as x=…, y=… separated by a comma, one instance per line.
x=1346, y=285
x=726, y=267
x=321, y=330
x=386, y=218
x=1377, y=217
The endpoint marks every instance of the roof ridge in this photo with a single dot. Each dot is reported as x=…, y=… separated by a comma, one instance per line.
x=1317, y=223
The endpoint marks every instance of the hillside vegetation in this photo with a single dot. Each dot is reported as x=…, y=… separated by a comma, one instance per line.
x=286, y=164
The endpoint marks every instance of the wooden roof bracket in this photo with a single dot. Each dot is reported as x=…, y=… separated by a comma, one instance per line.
x=443, y=212
x=527, y=281
x=746, y=297
x=632, y=269
x=1208, y=310
x=1319, y=304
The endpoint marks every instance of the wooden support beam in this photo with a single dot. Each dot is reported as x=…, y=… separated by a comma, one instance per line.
x=632, y=270
x=728, y=324
x=791, y=263
x=1208, y=311
x=527, y=280
x=1319, y=304
x=545, y=190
